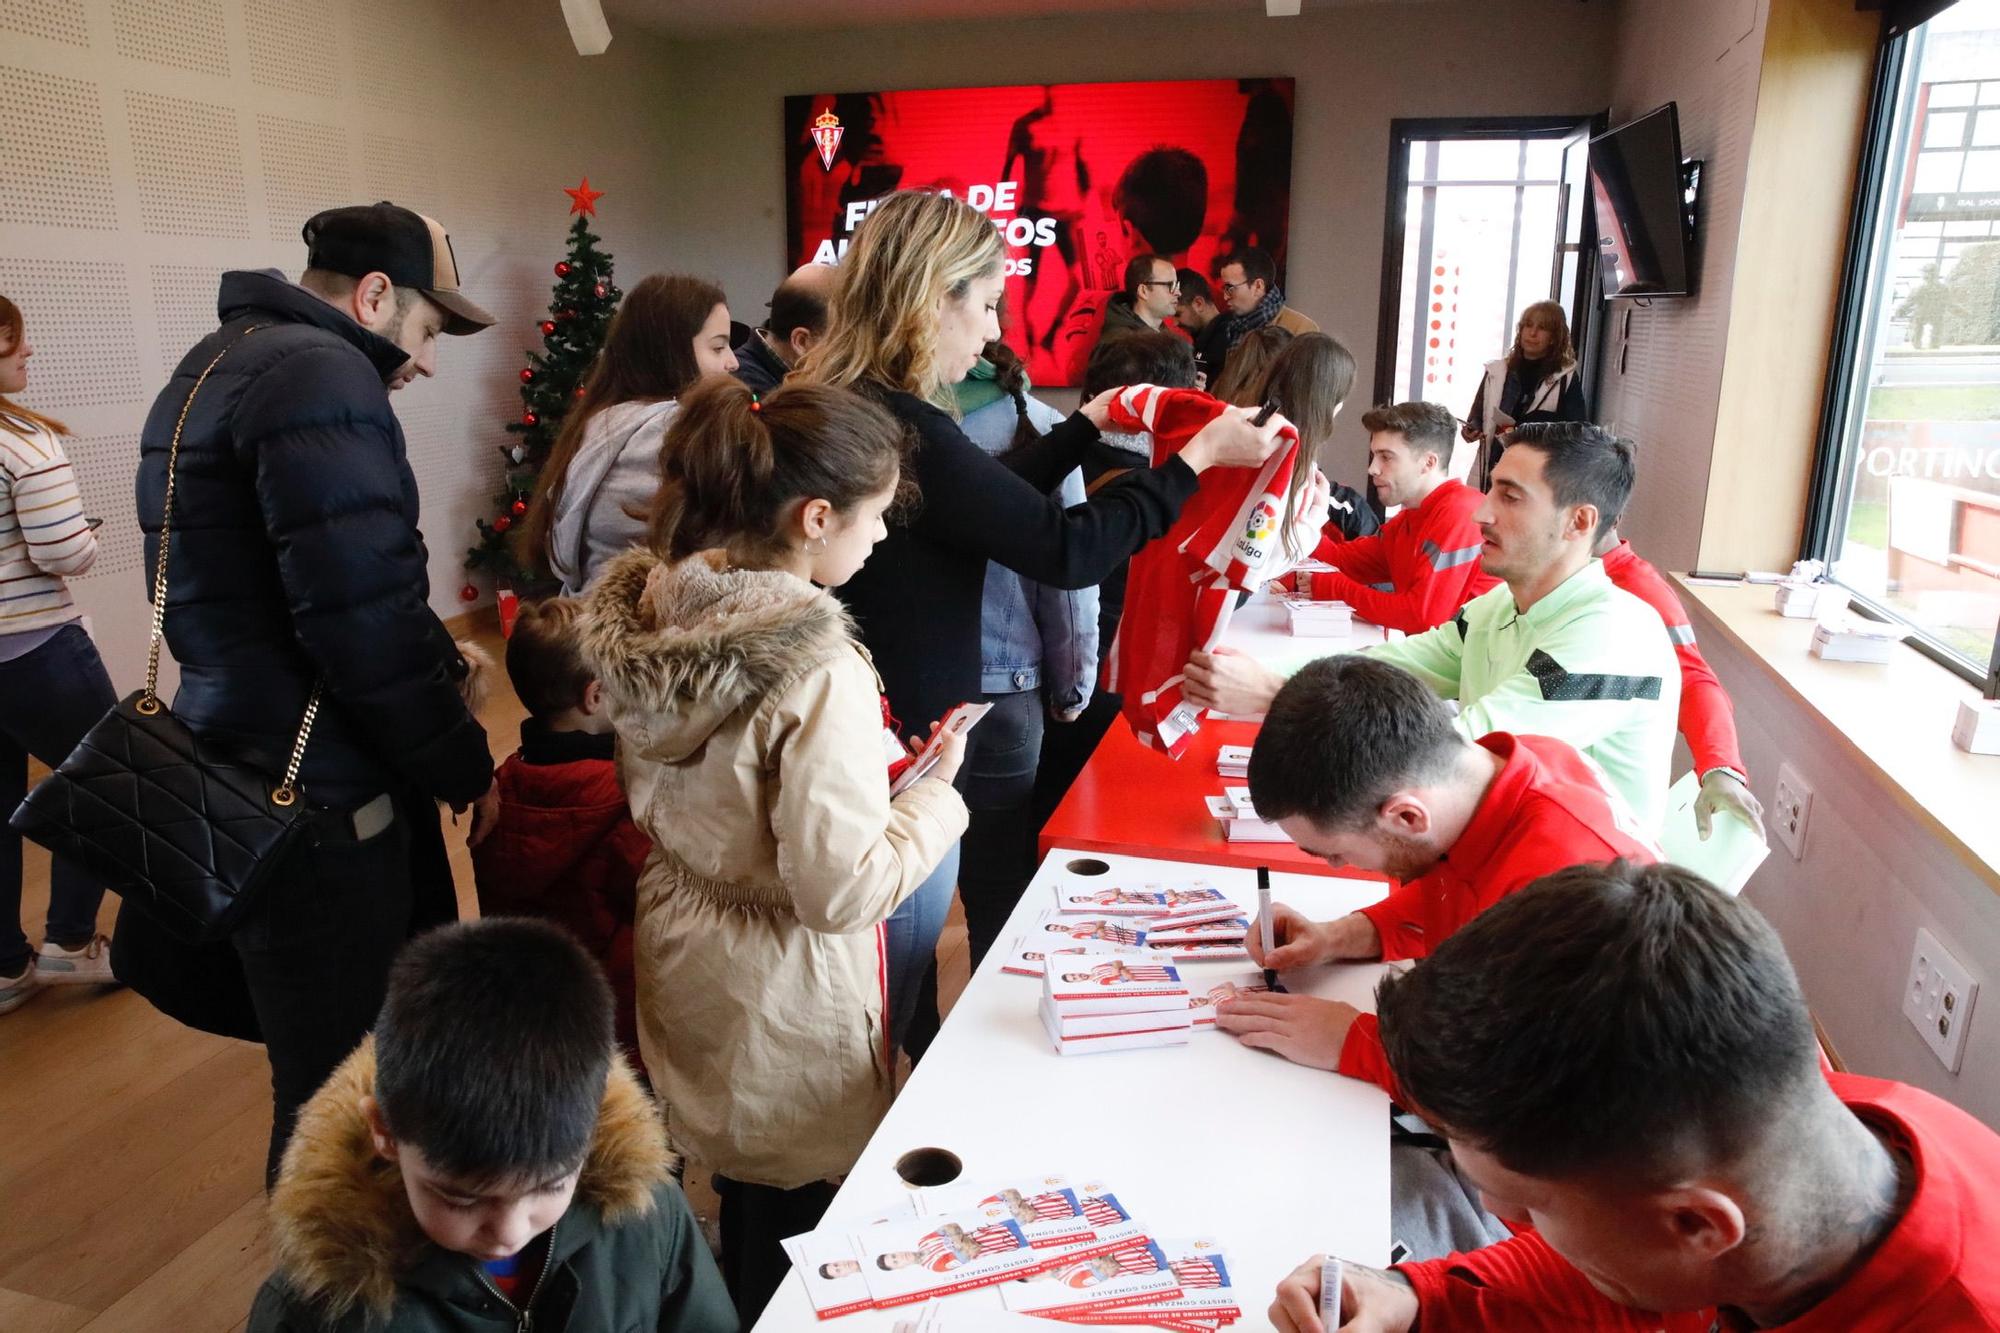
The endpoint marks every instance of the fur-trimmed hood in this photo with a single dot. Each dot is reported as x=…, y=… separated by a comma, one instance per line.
x=680, y=647
x=341, y=1226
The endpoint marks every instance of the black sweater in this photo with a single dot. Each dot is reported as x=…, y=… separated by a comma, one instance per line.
x=917, y=600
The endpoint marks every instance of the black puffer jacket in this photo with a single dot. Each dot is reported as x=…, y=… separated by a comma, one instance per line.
x=296, y=555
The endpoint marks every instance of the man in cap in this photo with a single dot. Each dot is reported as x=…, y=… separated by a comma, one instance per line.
x=297, y=564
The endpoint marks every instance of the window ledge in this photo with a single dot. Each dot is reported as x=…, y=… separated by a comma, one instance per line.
x=1895, y=717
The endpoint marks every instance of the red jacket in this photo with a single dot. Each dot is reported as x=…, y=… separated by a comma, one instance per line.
x=1936, y=1272
x=1417, y=571
x=1544, y=812
x=565, y=849
x=1707, y=720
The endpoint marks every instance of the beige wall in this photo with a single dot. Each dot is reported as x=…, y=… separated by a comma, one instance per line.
x=1357, y=66
x=150, y=146
x=1703, y=55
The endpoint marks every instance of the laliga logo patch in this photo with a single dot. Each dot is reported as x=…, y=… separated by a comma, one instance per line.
x=826, y=132
x=1263, y=522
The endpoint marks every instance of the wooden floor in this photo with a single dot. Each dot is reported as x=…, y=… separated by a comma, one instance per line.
x=131, y=1162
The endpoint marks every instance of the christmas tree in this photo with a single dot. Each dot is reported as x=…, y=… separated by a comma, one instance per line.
x=580, y=310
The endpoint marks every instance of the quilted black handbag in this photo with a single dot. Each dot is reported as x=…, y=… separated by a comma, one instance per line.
x=173, y=823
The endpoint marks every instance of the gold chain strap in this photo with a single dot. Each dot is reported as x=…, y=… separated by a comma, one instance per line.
x=287, y=790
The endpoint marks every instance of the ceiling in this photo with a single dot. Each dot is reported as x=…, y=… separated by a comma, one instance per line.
x=715, y=18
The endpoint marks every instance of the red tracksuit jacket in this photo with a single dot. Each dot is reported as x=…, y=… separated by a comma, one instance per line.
x=1544, y=812
x=1936, y=1273
x=1417, y=571
x=565, y=849
x=1707, y=721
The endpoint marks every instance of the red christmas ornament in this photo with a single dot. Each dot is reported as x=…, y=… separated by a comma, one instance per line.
x=599, y=290
x=502, y=523
x=562, y=268
x=579, y=391
x=527, y=374
x=519, y=507
x=529, y=418
x=548, y=327
x=583, y=199
x=468, y=593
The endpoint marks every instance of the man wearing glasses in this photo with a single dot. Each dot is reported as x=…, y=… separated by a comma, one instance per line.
x=1151, y=292
x=1248, y=284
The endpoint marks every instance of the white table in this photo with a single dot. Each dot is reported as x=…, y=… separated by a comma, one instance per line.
x=1274, y=1160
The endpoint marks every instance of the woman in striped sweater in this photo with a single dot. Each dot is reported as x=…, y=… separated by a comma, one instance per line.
x=53, y=686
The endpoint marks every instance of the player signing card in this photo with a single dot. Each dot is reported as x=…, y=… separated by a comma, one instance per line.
x=1135, y=1273
x=1201, y=1004
x=905, y=1262
x=1031, y=956
x=1054, y=926
x=830, y=1266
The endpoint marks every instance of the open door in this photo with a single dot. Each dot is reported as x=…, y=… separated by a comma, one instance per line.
x=1574, y=278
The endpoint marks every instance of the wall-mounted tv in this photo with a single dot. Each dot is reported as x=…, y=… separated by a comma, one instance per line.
x=1077, y=177
x=1641, y=190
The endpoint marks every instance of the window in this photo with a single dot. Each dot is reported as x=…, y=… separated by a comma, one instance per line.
x=1907, y=504
x=1485, y=217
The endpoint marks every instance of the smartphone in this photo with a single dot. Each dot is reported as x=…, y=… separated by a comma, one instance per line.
x=956, y=723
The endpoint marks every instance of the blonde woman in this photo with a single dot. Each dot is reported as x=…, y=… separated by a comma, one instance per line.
x=1538, y=380
x=53, y=686
x=917, y=301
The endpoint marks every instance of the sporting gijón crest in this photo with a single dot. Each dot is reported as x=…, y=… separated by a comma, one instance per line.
x=826, y=132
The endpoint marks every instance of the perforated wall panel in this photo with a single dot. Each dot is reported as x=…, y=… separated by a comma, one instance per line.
x=79, y=315
x=104, y=466
x=183, y=308
x=292, y=45
x=54, y=170
x=189, y=158
x=53, y=20
x=187, y=34
x=305, y=170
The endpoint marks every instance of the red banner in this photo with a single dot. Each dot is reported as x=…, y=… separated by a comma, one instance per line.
x=1078, y=177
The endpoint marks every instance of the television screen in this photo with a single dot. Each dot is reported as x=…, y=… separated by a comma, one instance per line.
x=1635, y=186
x=1078, y=178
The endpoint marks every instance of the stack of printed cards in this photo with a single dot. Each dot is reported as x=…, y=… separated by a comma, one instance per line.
x=1208, y=1298
x=1319, y=620
x=1233, y=761
x=1239, y=818
x=961, y=1240
x=1110, y=1004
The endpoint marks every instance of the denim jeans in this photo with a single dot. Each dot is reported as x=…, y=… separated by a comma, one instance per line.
x=48, y=699
x=1001, y=756
x=910, y=938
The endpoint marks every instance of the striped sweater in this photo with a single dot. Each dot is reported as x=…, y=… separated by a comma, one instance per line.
x=43, y=537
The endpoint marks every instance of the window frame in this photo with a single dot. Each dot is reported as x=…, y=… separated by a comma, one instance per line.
x=1829, y=496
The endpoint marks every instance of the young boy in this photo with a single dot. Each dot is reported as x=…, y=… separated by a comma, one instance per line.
x=565, y=847
x=486, y=1160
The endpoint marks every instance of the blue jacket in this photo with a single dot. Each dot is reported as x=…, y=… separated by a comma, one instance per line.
x=1032, y=636
x=296, y=556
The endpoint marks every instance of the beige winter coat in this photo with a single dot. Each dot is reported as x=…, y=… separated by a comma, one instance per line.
x=750, y=740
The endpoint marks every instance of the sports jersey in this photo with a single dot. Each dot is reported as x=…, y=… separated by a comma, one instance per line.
x=1413, y=574
x=1588, y=664
x=1707, y=720
x=1545, y=810
x=1181, y=589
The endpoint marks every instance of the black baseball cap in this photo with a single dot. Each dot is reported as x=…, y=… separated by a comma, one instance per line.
x=411, y=249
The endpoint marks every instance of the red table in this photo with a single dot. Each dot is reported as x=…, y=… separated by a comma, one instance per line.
x=1132, y=801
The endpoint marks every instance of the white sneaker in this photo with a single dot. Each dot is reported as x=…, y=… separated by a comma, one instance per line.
x=86, y=965
x=14, y=991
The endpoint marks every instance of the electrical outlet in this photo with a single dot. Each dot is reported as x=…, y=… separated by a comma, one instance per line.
x=1938, y=999
x=1791, y=805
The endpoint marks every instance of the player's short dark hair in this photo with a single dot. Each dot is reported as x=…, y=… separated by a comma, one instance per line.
x=492, y=1049
x=544, y=660
x=1585, y=464
x=796, y=305
x=1342, y=736
x=1611, y=1018
x=1152, y=357
x=1256, y=264
x=1194, y=286
x=1138, y=269
x=1427, y=426
x=1163, y=193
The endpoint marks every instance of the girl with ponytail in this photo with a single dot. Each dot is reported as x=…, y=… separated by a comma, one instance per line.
x=755, y=751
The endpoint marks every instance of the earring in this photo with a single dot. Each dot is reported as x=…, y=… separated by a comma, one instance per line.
x=819, y=544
